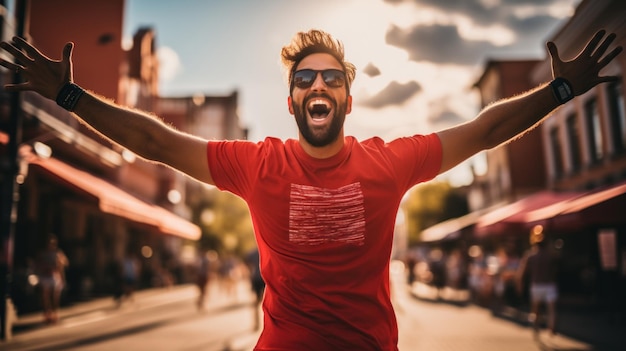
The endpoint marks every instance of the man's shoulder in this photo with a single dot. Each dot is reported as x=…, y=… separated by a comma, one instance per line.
x=410, y=142
x=238, y=145
x=381, y=140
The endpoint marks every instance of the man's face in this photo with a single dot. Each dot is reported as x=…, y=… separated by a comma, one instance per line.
x=320, y=110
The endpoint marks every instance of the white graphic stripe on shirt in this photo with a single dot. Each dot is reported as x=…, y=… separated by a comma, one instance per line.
x=319, y=215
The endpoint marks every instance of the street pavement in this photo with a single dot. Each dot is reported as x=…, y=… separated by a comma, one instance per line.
x=425, y=323
x=436, y=325
x=445, y=321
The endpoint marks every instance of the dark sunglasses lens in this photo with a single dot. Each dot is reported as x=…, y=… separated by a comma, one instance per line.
x=304, y=78
x=334, y=78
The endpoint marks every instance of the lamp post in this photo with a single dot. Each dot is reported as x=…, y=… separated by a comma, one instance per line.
x=10, y=190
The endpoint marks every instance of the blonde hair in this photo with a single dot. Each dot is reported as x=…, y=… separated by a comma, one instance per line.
x=314, y=41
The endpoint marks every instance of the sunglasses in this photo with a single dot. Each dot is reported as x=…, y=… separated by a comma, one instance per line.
x=304, y=78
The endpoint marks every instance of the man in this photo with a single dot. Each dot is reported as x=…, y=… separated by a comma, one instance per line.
x=540, y=266
x=51, y=265
x=203, y=275
x=256, y=283
x=324, y=205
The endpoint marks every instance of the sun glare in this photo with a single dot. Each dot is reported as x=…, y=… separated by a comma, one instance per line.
x=169, y=63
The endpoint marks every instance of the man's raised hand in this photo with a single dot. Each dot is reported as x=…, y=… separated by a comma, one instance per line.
x=583, y=72
x=40, y=73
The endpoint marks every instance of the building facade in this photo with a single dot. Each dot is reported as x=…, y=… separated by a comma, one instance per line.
x=99, y=199
x=567, y=175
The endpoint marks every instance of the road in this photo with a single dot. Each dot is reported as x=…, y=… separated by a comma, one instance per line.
x=169, y=320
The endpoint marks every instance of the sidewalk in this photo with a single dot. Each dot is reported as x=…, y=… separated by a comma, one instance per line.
x=579, y=328
x=31, y=327
x=30, y=322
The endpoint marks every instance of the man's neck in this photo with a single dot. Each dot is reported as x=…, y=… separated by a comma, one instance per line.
x=322, y=152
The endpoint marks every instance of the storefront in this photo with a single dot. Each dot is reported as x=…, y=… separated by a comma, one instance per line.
x=587, y=230
x=96, y=223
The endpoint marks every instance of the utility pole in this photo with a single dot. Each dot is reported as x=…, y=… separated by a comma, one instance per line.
x=10, y=188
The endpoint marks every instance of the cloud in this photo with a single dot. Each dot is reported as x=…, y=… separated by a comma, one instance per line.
x=443, y=112
x=437, y=43
x=393, y=94
x=466, y=31
x=490, y=11
x=446, y=118
x=371, y=70
x=531, y=28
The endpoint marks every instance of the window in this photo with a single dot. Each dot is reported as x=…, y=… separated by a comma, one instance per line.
x=594, y=131
x=617, y=116
x=573, y=140
x=557, y=152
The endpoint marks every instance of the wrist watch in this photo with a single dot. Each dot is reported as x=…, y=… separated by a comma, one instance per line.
x=562, y=90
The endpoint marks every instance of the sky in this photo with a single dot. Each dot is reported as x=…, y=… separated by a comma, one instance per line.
x=416, y=59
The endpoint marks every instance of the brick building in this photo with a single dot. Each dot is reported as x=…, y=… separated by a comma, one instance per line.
x=98, y=198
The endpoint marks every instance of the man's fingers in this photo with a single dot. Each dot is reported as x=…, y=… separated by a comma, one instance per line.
x=608, y=58
x=67, y=52
x=554, y=51
x=25, y=46
x=16, y=87
x=11, y=87
x=8, y=65
x=593, y=43
x=604, y=46
x=608, y=79
x=15, y=52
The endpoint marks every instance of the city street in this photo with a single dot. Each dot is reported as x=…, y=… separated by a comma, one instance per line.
x=167, y=319
x=481, y=144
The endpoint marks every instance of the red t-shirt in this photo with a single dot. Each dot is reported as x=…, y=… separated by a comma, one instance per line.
x=324, y=228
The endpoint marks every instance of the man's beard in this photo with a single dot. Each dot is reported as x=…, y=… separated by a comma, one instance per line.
x=319, y=137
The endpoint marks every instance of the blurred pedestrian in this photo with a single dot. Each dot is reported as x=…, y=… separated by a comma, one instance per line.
x=455, y=275
x=130, y=271
x=324, y=205
x=540, y=266
x=229, y=275
x=438, y=269
x=504, y=280
x=411, y=261
x=257, y=283
x=203, y=274
x=51, y=265
x=477, y=276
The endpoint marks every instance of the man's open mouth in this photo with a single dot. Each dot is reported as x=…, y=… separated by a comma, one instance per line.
x=318, y=109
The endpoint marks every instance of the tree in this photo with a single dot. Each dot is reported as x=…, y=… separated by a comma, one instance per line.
x=431, y=203
x=226, y=223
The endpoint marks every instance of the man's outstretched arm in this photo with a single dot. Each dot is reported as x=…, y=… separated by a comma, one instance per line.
x=506, y=119
x=144, y=134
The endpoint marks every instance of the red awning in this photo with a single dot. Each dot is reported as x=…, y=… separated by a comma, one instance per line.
x=544, y=214
x=558, y=211
x=605, y=206
x=513, y=216
x=448, y=230
x=451, y=229
x=115, y=201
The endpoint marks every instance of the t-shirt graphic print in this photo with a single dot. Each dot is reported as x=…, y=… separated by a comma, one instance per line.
x=320, y=215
